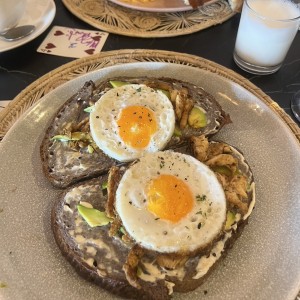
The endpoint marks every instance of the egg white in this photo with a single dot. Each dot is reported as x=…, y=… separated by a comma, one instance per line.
x=161, y=235
x=104, y=127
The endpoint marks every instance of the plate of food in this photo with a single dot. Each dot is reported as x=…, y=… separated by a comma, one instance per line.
x=162, y=6
x=87, y=210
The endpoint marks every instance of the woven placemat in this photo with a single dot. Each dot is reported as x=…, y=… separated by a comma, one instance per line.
x=35, y=91
x=110, y=17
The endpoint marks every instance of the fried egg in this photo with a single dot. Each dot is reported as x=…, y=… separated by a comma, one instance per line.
x=131, y=120
x=177, y=205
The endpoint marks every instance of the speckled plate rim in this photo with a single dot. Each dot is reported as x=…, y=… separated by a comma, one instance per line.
x=281, y=124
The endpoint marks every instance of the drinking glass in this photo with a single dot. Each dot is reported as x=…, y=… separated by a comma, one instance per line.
x=266, y=31
x=295, y=105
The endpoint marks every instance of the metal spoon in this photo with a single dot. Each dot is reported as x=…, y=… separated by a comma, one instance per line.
x=17, y=33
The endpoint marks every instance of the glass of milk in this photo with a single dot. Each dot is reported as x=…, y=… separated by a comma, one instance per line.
x=266, y=31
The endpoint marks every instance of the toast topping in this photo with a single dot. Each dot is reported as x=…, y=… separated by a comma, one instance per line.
x=227, y=164
x=156, y=226
x=68, y=151
x=110, y=250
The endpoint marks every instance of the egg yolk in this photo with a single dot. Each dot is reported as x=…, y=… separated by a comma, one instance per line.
x=169, y=198
x=136, y=125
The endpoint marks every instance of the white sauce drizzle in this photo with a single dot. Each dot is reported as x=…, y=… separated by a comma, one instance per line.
x=101, y=273
x=68, y=209
x=89, y=261
x=86, y=204
x=154, y=273
x=203, y=266
x=205, y=262
x=170, y=286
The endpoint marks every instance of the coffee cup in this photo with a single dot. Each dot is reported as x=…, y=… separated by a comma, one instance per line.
x=11, y=11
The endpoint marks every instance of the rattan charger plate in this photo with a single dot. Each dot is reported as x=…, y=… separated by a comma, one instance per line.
x=35, y=91
x=110, y=17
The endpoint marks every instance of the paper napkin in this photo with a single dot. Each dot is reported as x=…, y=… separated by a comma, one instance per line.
x=72, y=42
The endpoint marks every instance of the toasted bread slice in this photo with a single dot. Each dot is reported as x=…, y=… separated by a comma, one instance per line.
x=100, y=257
x=91, y=251
x=65, y=162
x=68, y=152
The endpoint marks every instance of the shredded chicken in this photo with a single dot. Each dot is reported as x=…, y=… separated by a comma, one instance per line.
x=218, y=148
x=200, y=147
x=114, y=177
x=223, y=160
x=173, y=95
x=182, y=103
x=83, y=126
x=188, y=105
x=171, y=262
x=179, y=105
x=234, y=200
x=131, y=265
x=219, y=155
x=183, y=106
x=223, y=179
x=158, y=85
x=238, y=184
x=114, y=227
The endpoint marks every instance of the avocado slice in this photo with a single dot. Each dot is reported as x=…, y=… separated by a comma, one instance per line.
x=92, y=216
x=60, y=137
x=116, y=83
x=104, y=185
x=177, y=132
x=167, y=93
x=223, y=170
x=230, y=219
x=197, y=118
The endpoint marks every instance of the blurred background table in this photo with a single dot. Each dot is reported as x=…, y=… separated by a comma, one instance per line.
x=22, y=66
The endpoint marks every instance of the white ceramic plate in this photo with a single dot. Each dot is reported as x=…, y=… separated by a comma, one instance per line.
x=264, y=262
x=39, y=13
x=155, y=5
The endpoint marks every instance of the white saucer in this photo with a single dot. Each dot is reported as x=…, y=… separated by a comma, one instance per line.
x=39, y=13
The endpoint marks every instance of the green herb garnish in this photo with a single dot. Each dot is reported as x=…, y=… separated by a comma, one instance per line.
x=201, y=197
x=89, y=109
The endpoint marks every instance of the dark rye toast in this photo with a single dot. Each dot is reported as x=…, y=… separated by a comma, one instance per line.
x=100, y=258
x=91, y=251
x=66, y=162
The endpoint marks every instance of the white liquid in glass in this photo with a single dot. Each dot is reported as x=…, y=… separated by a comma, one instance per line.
x=264, y=35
